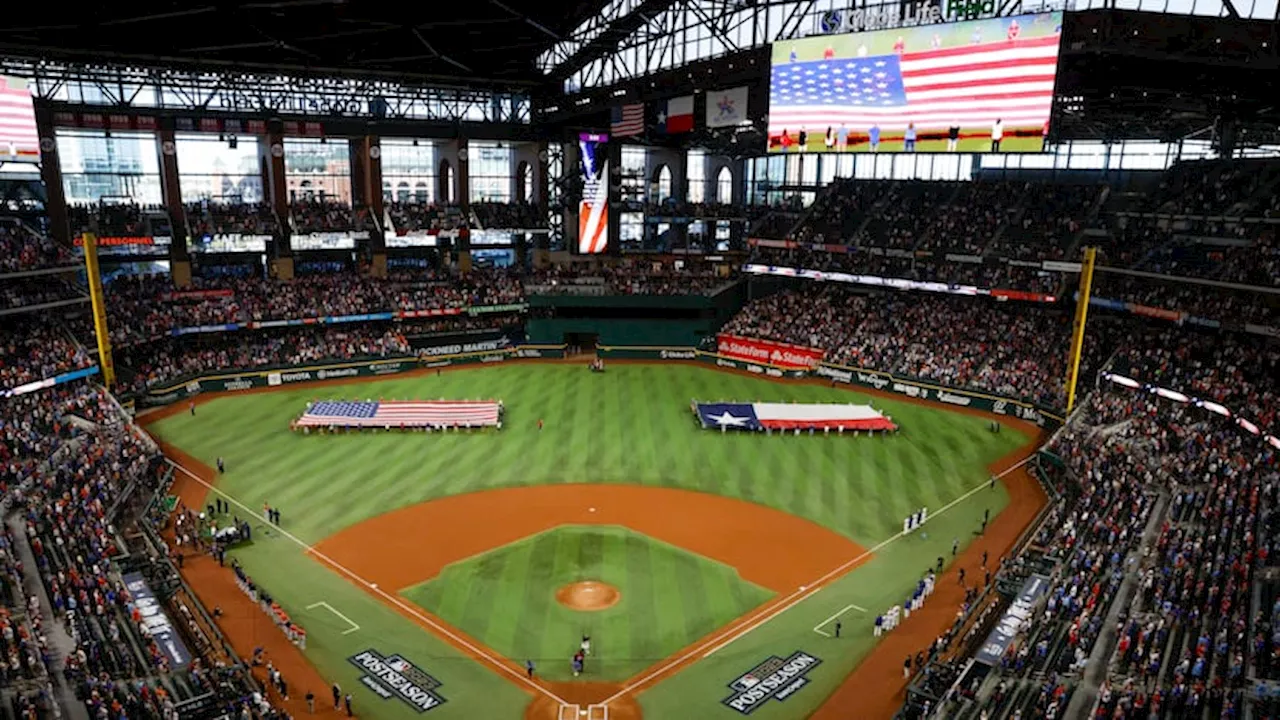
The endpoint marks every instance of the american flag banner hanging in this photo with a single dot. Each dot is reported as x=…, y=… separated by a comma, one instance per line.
x=18, y=136
x=627, y=121
x=967, y=79
x=436, y=414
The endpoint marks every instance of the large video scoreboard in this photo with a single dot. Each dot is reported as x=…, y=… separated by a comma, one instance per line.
x=975, y=86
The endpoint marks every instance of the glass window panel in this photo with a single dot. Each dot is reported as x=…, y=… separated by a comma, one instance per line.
x=809, y=169
x=490, y=171
x=1264, y=10
x=845, y=167
x=947, y=167
x=1086, y=161
x=210, y=169
x=828, y=170
x=122, y=167
x=1037, y=162
x=724, y=186
x=410, y=168
x=793, y=170
x=315, y=169
x=695, y=176
x=994, y=160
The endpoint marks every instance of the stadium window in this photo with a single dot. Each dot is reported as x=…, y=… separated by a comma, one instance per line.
x=210, y=169
x=664, y=183
x=724, y=186
x=316, y=169
x=1087, y=155
x=793, y=170
x=845, y=167
x=827, y=173
x=947, y=167
x=809, y=169
x=696, y=176
x=526, y=181
x=409, y=163
x=489, y=171
x=118, y=167
x=402, y=191
x=903, y=167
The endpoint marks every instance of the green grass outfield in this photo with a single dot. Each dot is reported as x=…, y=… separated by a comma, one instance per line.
x=506, y=599
x=629, y=425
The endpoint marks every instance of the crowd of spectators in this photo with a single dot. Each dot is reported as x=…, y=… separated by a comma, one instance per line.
x=119, y=220
x=32, y=350
x=321, y=215
x=424, y=217
x=143, y=308
x=1011, y=350
x=509, y=216
x=24, y=249
x=1224, y=305
x=214, y=218
x=631, y=277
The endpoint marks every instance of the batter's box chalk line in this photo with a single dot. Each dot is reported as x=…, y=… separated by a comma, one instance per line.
x=818, y=628
x=354, y=627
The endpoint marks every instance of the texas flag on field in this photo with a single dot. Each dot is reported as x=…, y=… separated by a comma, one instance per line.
x=678, y=115
x=789, y=416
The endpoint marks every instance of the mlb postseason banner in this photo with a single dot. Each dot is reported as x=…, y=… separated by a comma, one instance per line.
x=1015, y=616
x=155, y=622
x=976, y=86
x=795, y=357
x=593, y=209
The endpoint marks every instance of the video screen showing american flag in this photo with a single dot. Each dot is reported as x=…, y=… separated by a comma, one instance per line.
x=593, y=209
x=976, y=86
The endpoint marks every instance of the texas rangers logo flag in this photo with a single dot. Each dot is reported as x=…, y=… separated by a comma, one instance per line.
x=727, y=108
x=790, y=416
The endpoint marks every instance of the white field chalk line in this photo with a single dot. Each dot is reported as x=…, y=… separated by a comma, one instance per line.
x=409, y=609
x=330, y=608
x=847, y=608
x=803, y=594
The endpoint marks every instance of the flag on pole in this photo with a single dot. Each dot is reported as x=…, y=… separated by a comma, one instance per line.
x=627, y=120
x=678, y=117
x=18, y=136
x=727, y=108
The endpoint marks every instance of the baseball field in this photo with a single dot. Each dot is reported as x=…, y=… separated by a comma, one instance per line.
x=710, y=570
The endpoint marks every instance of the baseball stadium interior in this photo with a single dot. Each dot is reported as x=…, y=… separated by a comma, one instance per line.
x=996, y=281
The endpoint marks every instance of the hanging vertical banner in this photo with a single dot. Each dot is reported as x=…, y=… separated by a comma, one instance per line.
x=727, y=108
x=593, y=209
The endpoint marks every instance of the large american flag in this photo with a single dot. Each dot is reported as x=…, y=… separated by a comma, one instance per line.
x=401, y=414
x=1011, y=80
x=17, y=120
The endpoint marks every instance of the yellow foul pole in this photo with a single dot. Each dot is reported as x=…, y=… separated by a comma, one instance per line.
x=99, y=309
x=1077, y=332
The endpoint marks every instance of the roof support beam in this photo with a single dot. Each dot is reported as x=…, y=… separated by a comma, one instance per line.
x=615, y=33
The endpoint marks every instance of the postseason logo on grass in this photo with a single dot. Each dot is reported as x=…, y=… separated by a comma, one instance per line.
x=777, y=678
x=393, y=676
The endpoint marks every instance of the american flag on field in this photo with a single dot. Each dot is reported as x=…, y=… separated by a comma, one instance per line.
x=402, y=413
x=1011, y=80
x=627, y=121
x=17, y=119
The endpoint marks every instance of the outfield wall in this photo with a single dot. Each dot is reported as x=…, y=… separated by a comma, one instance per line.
x=283, y=376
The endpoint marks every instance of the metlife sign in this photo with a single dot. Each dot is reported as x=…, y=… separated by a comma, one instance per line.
x=896, y=15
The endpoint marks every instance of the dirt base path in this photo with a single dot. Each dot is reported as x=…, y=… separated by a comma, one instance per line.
x=876, y=689
x=415, y=543
x=243, y=622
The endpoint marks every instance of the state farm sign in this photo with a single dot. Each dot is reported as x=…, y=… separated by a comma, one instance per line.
x=763, y=351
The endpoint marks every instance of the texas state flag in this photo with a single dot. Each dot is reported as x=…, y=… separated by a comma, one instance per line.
x=791, y=416
x=678, y=117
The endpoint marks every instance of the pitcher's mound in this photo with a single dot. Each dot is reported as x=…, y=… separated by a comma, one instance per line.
x=588, y=596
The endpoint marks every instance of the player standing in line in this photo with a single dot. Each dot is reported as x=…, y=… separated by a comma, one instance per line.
x=997, y=134
x=830, y=140
x=842, y=138
x=909, y=138
x=539, y=423
x=803, y=140
x=873, y=136
x=879, y=625
x=953, y=138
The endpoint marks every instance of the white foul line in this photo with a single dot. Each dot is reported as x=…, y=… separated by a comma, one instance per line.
x=354, y=627
x=409, y=609
x=847, y=608
x=804, y=593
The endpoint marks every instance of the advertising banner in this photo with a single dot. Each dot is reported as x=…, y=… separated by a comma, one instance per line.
x=1017, y=614
x=437, y=344
x=763, y=351
x=196, y=295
